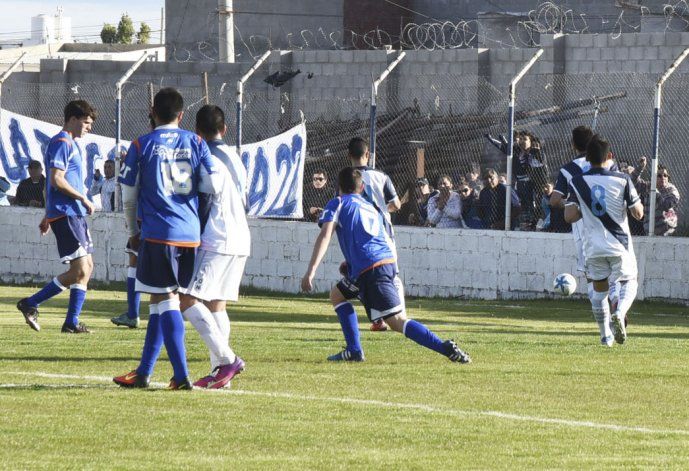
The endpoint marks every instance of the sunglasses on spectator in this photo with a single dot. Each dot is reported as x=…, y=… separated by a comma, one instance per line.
x=318, y=179
x=661, y=175
x=464, y=190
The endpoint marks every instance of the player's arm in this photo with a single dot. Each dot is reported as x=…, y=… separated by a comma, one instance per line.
x=637, y=211
x=210, y=180
x=559, y=195
x=572, y=209
x=634, y=203
x=58, y=181
x=319, y=250
x=391, y=199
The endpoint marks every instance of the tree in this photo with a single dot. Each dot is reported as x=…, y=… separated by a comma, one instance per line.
x=125, y=30
x=144, y=34
x=108, y=34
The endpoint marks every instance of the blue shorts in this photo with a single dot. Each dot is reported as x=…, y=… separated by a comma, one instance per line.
x=163, y=268
x=73, y=237
x=380, y=291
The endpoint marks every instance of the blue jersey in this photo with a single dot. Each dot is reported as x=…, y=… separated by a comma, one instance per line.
x=361, y=232
x=64, y=154
x=166, y=165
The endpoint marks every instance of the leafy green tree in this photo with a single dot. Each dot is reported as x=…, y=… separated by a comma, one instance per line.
x=125, y=30
x=144, y=34
x=108, y=34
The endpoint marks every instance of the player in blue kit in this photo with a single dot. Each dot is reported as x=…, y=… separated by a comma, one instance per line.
x=371, y=265
x=66, y=208
x=162, y=175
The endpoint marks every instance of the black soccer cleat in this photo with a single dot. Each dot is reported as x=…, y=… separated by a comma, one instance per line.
x=30, y=314
x=80, y=328
x=132, y=380
x=454, y=353
x=184, y=385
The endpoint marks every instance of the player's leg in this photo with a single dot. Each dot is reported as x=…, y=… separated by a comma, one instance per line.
x=153, y=343
x=599, y=270
x=346, y=315
x=77, y=278
x=625, y=274
x=131, y=317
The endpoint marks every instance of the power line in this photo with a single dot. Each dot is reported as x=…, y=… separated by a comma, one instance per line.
x=73, y=27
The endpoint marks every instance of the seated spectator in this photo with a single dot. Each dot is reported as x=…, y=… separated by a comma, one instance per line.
x=667, y=201
x=30, y=190
x=544, y=223
x=316, y=197
x=105, y=187
x=469, y=199
x=445, y=208
x=5, y=186
x=491, y=206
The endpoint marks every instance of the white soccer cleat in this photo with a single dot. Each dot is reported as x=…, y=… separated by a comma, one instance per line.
x=619, y=329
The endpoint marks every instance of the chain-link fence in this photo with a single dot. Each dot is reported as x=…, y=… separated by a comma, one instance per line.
x=428, y=127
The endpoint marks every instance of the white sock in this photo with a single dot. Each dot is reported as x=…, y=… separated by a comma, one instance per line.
x=601, y=312
x=627, y=295
x=202, y=320
x=222, y=320
x=590, y=290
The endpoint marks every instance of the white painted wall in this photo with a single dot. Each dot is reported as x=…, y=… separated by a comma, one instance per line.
x=433, y=262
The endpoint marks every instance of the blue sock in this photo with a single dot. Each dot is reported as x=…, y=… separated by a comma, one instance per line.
x=133, y=298
x=77, y=296
x=51, y=289
x=350, y=325
x=172, y=324
x=420, y=334
x=152, y=344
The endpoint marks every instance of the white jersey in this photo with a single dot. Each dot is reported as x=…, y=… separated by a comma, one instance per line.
x=378, y=189
x=603, y=197
x=227, y=230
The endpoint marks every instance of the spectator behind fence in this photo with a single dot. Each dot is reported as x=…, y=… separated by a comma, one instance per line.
x=473, y=178
x=544, y=223
x=469, y=199
x=530, y=174
x=414, y=210
x=445, y=208
x=491, y=207
x=667, y=201
x=105, y=187
x=316, y=197
x=5, y=186
x=30, y=190
x=636, y=227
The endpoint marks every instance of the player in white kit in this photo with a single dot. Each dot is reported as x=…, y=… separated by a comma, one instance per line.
x=601, y=198
x=225, y=247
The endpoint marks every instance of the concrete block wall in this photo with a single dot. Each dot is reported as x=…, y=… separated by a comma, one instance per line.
x=433, y=262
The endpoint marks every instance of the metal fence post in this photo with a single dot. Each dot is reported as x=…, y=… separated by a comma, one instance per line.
x=656, y=139
x=374, y=105
x=510, y=136
x=118, y=117
x=240, y=92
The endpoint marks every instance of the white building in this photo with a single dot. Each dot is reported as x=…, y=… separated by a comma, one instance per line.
x=50, y=29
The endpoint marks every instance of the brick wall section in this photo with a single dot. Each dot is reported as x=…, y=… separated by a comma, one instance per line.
x=433, y=262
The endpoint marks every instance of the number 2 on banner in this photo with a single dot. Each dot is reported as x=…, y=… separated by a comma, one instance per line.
x=176, y=177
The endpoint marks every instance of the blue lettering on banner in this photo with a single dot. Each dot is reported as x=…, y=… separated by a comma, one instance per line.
x=259, y=183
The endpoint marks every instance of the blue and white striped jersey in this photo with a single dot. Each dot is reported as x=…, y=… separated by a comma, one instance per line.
x=603, y=197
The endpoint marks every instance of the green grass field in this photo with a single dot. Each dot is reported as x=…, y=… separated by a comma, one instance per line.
x=541, y=392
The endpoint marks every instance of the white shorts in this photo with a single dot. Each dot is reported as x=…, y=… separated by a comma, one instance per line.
x=614, y=269
x=216, y=276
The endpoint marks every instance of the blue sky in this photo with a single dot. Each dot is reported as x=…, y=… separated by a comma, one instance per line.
x=87, y=16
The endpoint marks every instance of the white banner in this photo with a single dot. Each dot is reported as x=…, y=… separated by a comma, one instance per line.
x=276, y=174
x=23, y=139
x=275, y=165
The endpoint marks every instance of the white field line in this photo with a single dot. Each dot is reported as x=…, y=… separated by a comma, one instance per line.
x=376, y=403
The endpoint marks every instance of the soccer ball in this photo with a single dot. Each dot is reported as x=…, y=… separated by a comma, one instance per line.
x=565, y=284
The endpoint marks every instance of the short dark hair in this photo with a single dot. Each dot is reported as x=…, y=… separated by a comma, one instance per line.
x=35, y=164
x=597, y=150
x=108, y=162
x=210, y=120
x=349, y=179
x=581, y=135
x=488, y=172
x=443, y=177
x=357, y=147
x=167, y=104
x=321, y=172
x=79, y=109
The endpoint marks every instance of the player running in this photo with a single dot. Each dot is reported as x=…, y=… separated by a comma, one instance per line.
x=581, y=135
x=162, y=175
x=372, y=267
x=600, y=198
x=66, y=208
x=378, y=190
x=225, y=247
